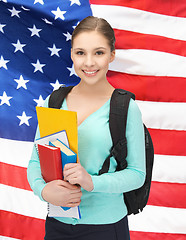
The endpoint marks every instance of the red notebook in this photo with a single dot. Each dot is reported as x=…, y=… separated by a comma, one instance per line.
x=50, y=162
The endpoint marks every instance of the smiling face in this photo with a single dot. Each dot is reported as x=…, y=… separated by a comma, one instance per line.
x=91, y=55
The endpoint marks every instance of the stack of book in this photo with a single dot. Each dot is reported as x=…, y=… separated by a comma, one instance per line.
x=55, y=150
x=54, y=153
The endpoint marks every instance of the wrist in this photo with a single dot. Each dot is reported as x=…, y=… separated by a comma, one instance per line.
x=38, y=189
x=91, y=185
x=43, y=194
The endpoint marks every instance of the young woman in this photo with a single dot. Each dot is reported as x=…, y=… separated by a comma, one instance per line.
x=100, y=198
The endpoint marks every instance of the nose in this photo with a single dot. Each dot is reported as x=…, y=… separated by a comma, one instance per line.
x=89, y=61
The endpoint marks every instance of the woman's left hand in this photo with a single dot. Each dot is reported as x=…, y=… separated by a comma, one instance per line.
x=74, y=173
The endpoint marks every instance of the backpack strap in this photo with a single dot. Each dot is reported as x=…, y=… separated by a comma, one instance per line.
x=117, y=123
x=57, y=97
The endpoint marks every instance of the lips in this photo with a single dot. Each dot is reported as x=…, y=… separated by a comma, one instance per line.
x=92, y=72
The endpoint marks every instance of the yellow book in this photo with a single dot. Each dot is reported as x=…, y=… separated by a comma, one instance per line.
x=51, y=120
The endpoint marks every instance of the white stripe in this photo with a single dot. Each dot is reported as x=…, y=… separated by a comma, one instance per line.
x=163, y=170
x=22, y=202
x=163, y=115
x=148, y=62
x=8, y=238
x=169, y=169
x=15, y=152
x=160, y=220
x=152, y=219
x=135, y=20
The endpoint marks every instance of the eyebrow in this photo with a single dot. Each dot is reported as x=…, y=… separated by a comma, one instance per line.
x=78, y=49
x=99, y=48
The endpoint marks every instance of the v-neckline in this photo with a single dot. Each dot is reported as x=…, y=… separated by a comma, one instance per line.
x=89, y=116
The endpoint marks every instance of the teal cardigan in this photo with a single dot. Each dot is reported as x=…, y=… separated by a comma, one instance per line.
x=104, y=204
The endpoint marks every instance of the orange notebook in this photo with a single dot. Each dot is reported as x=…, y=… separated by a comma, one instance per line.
x=50, y=162
x=51, y=121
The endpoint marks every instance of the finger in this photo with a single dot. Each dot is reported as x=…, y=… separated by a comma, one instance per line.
x=77, y=195
x=74, y=181
x=70, y=165
x=75, y=200
x=71, y=173
x=73, y=204
x=67, y=172
x=72, y=178
x=74, y=188
x=74, y=194
x=68, y=185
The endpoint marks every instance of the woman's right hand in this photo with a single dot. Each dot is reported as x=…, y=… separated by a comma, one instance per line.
x=62, y=193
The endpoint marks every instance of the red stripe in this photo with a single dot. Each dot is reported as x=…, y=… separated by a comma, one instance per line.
x=134, y=235
x=150, y=88
x=14, y=176
x=169, y=142
x=131, y=40
x=167, y=195
x=17, y=177
x=170, y=8
x=27, y=228
x=21, y=227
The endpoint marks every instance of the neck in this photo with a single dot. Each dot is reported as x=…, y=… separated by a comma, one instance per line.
x=98, y=89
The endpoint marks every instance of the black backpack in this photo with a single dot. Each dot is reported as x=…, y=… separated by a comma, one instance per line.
x=135, y=200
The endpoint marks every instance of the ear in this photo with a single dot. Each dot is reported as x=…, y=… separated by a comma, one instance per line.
x=112, y=56
x=71, y=55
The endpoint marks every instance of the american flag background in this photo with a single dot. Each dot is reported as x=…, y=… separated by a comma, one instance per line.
x=150, y=61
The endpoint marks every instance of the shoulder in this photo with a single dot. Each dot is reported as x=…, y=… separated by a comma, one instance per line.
x=134, y=127
x=134, y=116
x=133, y=107
x=46, y=102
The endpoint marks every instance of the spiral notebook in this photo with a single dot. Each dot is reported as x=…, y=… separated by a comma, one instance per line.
x=56, y=211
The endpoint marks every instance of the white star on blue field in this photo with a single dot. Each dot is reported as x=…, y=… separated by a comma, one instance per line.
x=35, y=58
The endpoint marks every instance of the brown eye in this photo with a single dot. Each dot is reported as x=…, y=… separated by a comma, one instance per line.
x=99, y=53
x=80, y=53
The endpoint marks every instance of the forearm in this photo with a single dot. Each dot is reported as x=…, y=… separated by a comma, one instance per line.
x=118, y=182
x=34, y=176
x=133, y=176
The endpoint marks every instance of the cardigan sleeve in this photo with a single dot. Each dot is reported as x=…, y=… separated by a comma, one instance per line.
x=34, y=176
x=133, y=176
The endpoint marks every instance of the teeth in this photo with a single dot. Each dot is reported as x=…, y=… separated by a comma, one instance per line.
x=90, y=72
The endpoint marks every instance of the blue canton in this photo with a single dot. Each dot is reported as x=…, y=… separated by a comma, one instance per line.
x=35, y=42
